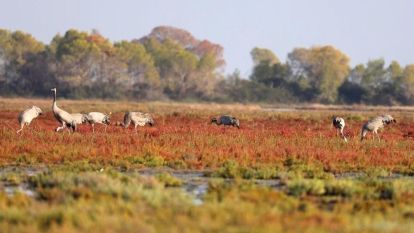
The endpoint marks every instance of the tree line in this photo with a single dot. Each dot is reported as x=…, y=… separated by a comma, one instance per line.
x=170, y=63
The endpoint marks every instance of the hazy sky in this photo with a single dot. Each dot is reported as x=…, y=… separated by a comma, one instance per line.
x=363, y=29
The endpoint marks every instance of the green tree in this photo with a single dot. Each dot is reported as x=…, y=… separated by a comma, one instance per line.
x=271, y=75
x=262, y=55
x=373, y=81
x=351, y=90
x=87, y=66
x=391, y=89
x=183, y=74
x=407, y=84
x=394, y=70
x=16, y=48
x=188, y=67
x=187, y=41
x=175, y=65
x=143, y=75
x=374, y=74
x=322, y=70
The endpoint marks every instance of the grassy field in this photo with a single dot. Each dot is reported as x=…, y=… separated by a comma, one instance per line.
x=83, y=182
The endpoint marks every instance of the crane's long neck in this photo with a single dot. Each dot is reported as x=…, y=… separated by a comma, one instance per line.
x=54, y=101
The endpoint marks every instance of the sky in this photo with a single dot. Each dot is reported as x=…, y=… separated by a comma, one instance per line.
x=362, y=29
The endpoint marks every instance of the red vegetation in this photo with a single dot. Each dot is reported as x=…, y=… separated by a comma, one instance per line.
x=194, y=143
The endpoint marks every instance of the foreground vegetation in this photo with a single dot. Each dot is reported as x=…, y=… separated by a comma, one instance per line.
x=83, y=182
x=82, y=198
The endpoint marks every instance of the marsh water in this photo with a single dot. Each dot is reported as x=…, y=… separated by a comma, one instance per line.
x=194, y=182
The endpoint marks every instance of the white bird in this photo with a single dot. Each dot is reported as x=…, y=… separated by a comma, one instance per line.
x=339, y=124
x=79, y=118
x=137, y=119
x=62, y=116
x=98, y=118
x=27, y=116
x=377, y=123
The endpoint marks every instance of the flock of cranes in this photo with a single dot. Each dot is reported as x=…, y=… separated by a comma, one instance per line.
x=372, y=125
x=71, y=120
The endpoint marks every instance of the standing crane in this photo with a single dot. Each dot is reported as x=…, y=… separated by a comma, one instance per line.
x=62, y=116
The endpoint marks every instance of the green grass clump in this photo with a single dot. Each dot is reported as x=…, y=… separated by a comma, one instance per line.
x=302, y=187
x=343, y=188
x=232, y=169
x=147, y=160
x=11, y=178
x=168, y=180
x=84, y=199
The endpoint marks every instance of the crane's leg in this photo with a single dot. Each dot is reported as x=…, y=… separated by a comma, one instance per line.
x=343, y=135
x=106, y=126
x=61, y=127
x=21, y=128
x=69, y=128
x=136, y=132
x=93, y=128
x=376, y=133
x=363, y=134
x=74, y=127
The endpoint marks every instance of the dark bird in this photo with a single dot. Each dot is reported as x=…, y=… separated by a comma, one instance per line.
x=226, y=120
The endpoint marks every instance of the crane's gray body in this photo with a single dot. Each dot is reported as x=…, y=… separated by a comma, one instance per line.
x=26, y=117
x=137, y=119
x=375, y=124
x=226, y=120
x=98, y=118
x=79, y=118
x=65, y=118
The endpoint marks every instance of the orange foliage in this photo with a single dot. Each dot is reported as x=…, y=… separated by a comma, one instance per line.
x=197, y=144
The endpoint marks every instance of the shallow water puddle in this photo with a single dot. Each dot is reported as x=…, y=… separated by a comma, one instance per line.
x=11, y=190
x=194, y=183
